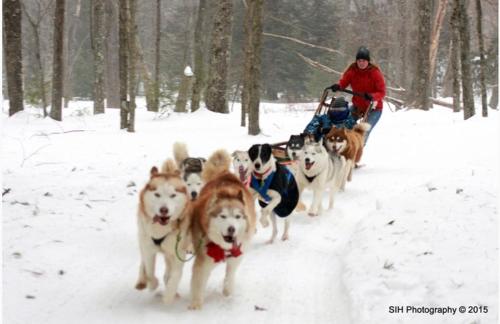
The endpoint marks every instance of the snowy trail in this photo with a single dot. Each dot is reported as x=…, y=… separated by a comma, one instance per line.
x=70, y=251
x=297, y=281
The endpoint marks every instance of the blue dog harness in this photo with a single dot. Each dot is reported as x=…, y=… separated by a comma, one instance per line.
x=262, y=186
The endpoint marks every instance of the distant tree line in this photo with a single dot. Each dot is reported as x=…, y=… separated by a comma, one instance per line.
x=109, y=51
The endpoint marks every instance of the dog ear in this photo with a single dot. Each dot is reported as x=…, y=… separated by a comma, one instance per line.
x=266, y=151
x=153, y=172
x=253, y=151
x=239, y=196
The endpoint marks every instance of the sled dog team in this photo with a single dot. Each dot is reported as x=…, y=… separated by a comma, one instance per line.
x=198, y=206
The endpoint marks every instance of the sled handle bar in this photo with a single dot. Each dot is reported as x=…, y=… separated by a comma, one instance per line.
x=359, y=94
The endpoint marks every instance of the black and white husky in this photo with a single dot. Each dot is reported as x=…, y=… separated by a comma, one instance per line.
x=319, y=171
x=190, y=169
x=274, y=186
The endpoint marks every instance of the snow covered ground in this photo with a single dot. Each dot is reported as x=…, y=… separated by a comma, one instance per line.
x=417, y=226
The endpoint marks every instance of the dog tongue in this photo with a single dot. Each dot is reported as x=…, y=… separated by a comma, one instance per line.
x=163, y=220
x=242, y=172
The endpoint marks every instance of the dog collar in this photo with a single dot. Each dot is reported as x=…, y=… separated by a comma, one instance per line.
x=219, y=254
x=259, y=175
x=159, y=241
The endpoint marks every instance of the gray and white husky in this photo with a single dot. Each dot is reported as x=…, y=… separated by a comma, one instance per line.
x=319, y=171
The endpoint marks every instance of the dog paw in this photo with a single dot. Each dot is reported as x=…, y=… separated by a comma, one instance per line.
x=300, y=207
x=284, y=237
x=271, y=241
x=168, y=299
x=152, y=283
x=264, y=222
x=227, y=291
x=311, y=214
x=140, y=285
x=194, y=306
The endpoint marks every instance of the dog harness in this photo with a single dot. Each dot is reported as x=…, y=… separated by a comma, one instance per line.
x=284, y=183
x=219, y=254
x=262, y=186
x=159, y=241
x=310, y=179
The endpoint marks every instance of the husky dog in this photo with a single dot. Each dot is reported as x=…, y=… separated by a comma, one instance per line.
x=274, y=186
x=319, y=171
x=223, y=222
x=294, y=147
x=348, y=143
x=191, y=169
x=242, y=166
x=163, y=217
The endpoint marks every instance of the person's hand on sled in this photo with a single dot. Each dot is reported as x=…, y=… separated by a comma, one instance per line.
x=368, y=96
x=334, y=87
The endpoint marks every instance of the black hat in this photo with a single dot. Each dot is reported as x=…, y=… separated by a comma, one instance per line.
x=363, y=54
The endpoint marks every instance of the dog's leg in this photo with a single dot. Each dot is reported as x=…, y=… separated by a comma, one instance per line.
x=142, y=281
x=350, y=168
x=263, y=216
x=268, y=210
x=231, y=267
x=275, y=229
x=300, y=205
x=332, y=194
x=316, y=203
x=147, y=270
x=343, y=172
x=284, y=237
x=202, y=268
x=172, y=277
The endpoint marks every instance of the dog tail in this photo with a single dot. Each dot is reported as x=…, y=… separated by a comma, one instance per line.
x=169, y=167
x=362, y=128
x=180, y=152
x=217, y=164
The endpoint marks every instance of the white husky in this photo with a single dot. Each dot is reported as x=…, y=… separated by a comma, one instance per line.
x=319, y=171
x=163, y=217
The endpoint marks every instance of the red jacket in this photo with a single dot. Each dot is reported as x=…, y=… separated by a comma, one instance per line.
x=369, y=80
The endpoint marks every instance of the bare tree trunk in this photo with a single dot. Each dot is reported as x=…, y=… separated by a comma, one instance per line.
x=132, y=68
x=98, y=37
x=71, y=53
x=216, y=98
x=40, y=72
x=482, y=71
x=467, y=89
x=57, y=66
x=448, y=74
x=182, y=97
x=436, y=31
x=248, y=50
x=156, y=102
x=420, y=91
x=254, y=68
x=455, y=58
x=111, y=49
x=123, y=61
x=199, y=62
x=12, y=16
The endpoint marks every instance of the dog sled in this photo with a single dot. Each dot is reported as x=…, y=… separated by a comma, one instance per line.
x=331, y=111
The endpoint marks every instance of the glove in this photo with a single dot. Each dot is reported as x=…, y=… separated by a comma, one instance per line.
x=368, y=96
x=334, y=87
